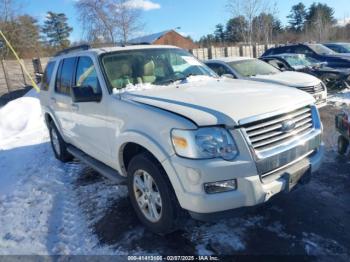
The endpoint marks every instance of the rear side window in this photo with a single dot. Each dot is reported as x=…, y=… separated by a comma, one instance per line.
x=86, y=74
x=65, y=76
x=47, y=76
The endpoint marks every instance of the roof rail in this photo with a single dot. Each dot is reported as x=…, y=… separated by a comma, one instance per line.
x=138, y=43
x=73, y=49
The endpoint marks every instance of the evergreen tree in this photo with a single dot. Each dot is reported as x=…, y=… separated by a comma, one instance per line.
x=297, y=17
x=320, y=11
x=235, y=28
x=57, y=30
x=219, y=33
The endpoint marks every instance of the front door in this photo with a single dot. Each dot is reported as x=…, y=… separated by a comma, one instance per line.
x=89, y=132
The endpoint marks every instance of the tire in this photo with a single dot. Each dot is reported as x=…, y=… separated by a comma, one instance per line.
x=171, y=214
x=58, y=145
x=343, y=144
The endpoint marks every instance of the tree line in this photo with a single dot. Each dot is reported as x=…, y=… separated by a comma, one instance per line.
x=29, y=38
x=116, y=21
x=256, y=21
x=103, y=21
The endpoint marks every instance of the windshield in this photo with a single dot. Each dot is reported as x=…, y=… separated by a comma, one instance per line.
x=300, y=61
x=346, y=47
x=321, y=49
x=157, y=66
x=253, y=67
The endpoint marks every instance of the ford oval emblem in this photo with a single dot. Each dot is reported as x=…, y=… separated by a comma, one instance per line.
x=288, y=126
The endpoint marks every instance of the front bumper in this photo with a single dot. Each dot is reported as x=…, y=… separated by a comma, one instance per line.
x=251, y=189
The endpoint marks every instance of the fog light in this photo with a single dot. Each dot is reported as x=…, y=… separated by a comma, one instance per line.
x=220, y=186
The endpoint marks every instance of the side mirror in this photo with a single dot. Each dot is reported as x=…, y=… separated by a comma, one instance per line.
x=228, y=76
x=81, y=94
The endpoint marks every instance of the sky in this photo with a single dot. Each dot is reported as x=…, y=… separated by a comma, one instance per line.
x=195, y=17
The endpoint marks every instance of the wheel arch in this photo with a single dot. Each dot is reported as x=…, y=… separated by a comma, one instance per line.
x=132, y=143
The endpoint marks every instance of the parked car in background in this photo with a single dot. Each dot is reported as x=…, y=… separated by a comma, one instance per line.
x=315, y=51
x=334, y=78
x=342, y=48
x=184, y=140
x=258, y=70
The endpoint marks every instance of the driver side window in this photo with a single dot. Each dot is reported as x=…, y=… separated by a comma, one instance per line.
x=86, y=74
x=303, y=50
x=219, y=69
x=278, y=64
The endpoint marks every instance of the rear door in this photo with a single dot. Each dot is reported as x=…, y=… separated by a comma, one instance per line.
x=45, y=84
x=61, y=101
x=89, y=132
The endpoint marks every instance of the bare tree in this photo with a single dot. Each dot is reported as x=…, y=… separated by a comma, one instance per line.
x=7, y=10
x=250, y=10
x=108, y=20
x=128, y=20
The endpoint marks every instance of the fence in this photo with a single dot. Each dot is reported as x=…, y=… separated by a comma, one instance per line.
x=243, y=50
x=12, y=76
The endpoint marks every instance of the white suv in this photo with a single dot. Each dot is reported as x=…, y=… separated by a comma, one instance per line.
x=184, y=140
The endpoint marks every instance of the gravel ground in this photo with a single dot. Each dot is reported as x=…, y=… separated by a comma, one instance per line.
x=312, y=221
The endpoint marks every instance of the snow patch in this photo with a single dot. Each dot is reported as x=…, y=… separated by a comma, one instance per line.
x=223, y=237
x=20, y=116
x=340, y=98
x=39, y=206
x=316, y=245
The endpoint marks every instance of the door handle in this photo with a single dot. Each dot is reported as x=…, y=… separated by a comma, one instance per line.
x=75, y=107
x=53, y=100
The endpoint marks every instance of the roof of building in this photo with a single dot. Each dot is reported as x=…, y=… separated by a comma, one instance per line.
x=148, y=39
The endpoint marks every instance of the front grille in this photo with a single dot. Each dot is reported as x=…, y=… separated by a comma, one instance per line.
x=271, y=132
x=313, y=89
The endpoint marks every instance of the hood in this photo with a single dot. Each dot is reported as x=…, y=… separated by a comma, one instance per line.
x=220, y=102
x=326, y=69
x=289, y=78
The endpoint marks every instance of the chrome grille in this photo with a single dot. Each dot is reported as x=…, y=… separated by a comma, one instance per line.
x=271, y=132
x=313, y=89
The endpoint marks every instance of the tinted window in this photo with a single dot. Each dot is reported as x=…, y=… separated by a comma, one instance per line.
x=86, y=74
x=277, y=63
x=303, y=50
x=65, y=75
x=47, y=76
x=219, y=69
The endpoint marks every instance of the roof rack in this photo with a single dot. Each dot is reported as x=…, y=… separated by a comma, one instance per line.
x=73, y=49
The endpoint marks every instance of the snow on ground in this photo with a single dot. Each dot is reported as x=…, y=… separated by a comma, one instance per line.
x=47, y=207
x=39, y=208
x=340, y=98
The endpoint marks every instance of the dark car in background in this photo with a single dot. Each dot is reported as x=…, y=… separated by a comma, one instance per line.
x=342, y=48
x=334, y=78
x=315, y=51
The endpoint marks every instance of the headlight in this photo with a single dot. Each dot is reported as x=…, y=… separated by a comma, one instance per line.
x=204, y=143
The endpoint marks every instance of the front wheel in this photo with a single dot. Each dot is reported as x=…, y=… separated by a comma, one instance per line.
x=152, y=195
